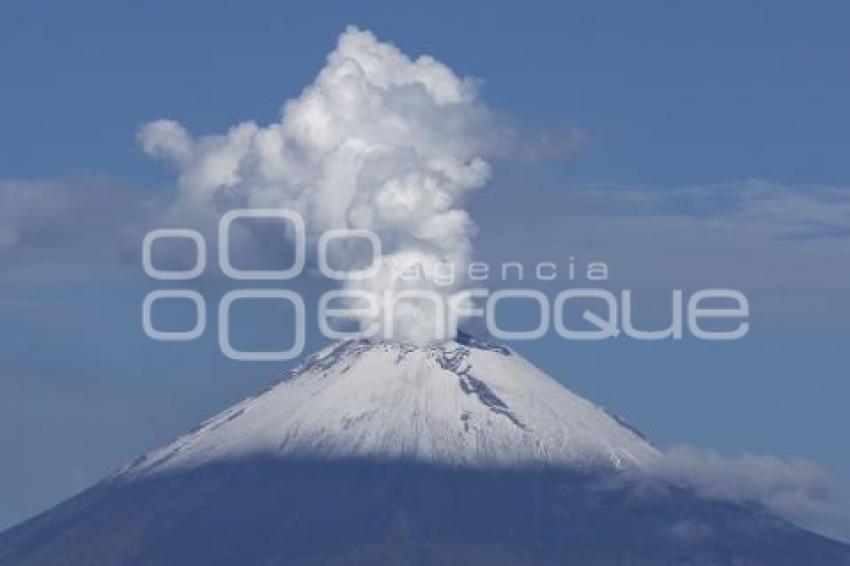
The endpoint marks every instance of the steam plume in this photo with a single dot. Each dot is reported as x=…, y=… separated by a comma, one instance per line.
x=377, y=141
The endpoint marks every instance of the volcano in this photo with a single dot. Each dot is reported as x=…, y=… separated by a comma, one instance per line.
x=385, y=453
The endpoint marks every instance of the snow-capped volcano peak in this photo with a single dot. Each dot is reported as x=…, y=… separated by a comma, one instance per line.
x=462, y=402
x=461, y=452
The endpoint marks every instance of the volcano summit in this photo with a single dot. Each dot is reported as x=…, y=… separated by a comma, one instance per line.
x=385, y=453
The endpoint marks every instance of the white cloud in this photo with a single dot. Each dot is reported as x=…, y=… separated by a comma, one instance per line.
x=754, y=207
x=785, y=246
x=377, y=141
x=798, y=490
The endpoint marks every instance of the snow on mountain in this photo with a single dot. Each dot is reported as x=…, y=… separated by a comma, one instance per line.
x=372, y=454
x=462, y=402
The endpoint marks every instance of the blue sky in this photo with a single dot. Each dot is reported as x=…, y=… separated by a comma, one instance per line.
x=715, y=153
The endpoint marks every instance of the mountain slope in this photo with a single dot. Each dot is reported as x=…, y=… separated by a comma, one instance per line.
x=461, y=453
x=450, y=403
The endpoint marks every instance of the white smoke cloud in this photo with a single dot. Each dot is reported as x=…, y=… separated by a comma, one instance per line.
x=378, y=141
x=799, y=490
